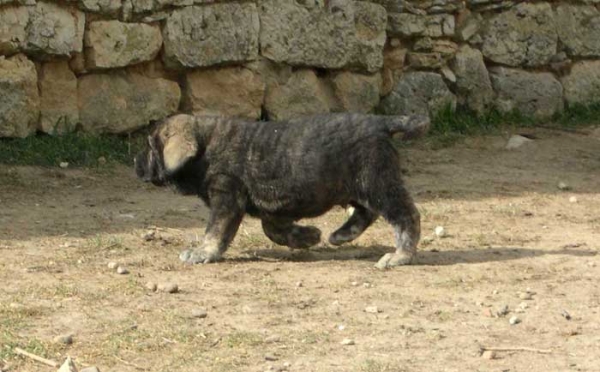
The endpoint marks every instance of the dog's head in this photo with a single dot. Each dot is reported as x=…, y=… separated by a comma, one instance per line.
x=171, y=145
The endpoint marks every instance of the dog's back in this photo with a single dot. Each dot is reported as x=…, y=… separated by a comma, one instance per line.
x=304, y=166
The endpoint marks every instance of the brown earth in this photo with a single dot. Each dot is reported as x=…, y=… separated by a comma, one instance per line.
x=510, y=230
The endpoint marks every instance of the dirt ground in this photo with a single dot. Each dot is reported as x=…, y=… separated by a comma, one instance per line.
x=514, y=239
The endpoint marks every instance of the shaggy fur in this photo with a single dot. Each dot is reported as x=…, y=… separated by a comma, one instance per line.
x=284, y=171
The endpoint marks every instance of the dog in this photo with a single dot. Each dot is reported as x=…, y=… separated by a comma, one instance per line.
x=283, y=171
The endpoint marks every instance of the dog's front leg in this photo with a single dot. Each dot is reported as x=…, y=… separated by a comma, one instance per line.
x=227, y=205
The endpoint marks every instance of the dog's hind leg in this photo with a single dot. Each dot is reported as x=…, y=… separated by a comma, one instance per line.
x=358, y=222
x=397, y=207
x=286, y=232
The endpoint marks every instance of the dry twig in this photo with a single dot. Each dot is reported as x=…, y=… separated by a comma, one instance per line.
x=529, y=349
x=47, y=362
x=132, y=364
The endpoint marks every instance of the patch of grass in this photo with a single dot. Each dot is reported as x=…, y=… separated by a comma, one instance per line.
x=578, y=115
x=9, y=341
x=371, y=365
x=14, y=319
x=78, y=149
x=462, y=122
x=105, y=242
x=239, y=339
x=65, y=291
x=448, y=126
x=130, y=339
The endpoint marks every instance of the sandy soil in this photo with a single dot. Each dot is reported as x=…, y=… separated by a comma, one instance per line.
x=514, y=239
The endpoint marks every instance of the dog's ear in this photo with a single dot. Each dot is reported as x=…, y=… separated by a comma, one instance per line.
x=179, y=147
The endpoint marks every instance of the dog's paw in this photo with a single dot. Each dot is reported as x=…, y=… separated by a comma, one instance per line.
x=342, y=236
x=303, y=237
x=197, y=256
x=390, y=260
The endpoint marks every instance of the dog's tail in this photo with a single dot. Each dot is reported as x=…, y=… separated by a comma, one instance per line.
x=413, y=126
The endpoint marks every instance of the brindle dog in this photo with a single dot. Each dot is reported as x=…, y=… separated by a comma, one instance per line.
x=284, y=171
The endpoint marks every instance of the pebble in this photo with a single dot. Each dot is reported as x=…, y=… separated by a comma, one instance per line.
x=299, y=284
x=151, y=286
x=372, y=310
x=64, y=339
x=489, y=354
x=347, y=342
x=168, y=287
x=526, y=296
x=514, y=320
x=502, y=311
x=271, y=357
x=90, y=369
x=573, y=199
x=440, y=232
x=516, y=141
x=563, y=186
x=122, y=271
x=113, y=265
x=199, y=313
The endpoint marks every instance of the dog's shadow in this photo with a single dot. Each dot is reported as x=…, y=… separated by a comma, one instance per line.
x=424, y=257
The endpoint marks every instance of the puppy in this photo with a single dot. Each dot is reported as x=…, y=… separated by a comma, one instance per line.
x=284, y=171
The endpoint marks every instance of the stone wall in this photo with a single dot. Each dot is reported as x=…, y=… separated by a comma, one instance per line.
x=115, y=65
